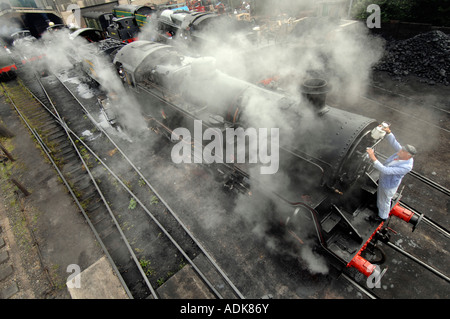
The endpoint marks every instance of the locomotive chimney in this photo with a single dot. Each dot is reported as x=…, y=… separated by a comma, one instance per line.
x=315, y=91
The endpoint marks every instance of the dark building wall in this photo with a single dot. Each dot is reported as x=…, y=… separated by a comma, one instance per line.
x=59, y=5
x=63, y=4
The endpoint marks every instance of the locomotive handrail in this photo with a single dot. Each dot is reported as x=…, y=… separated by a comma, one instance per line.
x=313, y=213
x=317, y=224
x=306, y=159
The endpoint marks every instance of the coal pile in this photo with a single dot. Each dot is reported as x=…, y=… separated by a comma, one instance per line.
x=426, y=55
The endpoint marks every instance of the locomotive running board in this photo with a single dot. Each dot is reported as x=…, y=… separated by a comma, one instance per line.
x=355, y=232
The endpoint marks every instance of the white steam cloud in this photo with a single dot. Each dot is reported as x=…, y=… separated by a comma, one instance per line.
x=62, y=52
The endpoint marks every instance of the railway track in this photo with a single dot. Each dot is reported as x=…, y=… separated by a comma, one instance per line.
x=406, y=112
x=146, y=258
x=430, y=183
x=408, y=98
x=418, y=261
x=55, y=143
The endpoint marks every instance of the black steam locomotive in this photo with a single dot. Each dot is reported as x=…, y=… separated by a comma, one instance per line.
x=323, y=187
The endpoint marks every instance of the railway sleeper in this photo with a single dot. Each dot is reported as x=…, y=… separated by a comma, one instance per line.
x=56, y=136
x=87, y=193
x=39, y=117
x=133, y=279
x=51, y=130
x=118, y=250
x=94, y=206
x=38, y=121
x=71, y=168
x=69, y=157
x=64, y=151
x=105, y=228
x=77, y=178
x=140, y=290
x=131, y=273
x=44, y=126
x=64, y=145
x=98, y=215
x=89, y=196
x=60, y=139
x=109, y=232
x=24, y=102
x=35, y=112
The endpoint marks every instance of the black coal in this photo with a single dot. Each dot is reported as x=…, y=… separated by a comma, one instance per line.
x=426, y=55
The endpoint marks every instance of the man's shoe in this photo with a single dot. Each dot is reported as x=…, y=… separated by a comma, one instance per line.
x=375, y=219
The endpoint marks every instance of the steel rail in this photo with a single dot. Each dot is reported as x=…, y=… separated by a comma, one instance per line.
x=211, y=260
x=433, y=270
x=430, y=182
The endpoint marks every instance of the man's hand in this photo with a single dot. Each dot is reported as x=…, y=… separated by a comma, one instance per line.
x=386, y=129
x=371, y=153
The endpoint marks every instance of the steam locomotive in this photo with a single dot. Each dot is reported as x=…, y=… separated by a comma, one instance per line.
x=325, y=187
x=7, y=66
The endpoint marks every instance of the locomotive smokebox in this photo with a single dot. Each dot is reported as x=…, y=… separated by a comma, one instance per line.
x=315, y=91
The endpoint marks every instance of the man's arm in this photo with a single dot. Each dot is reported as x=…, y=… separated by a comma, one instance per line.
x=393, y=141
x=387, y=170
x=391, y=170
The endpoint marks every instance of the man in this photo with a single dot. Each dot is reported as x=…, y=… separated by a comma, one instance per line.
x=391, y=173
